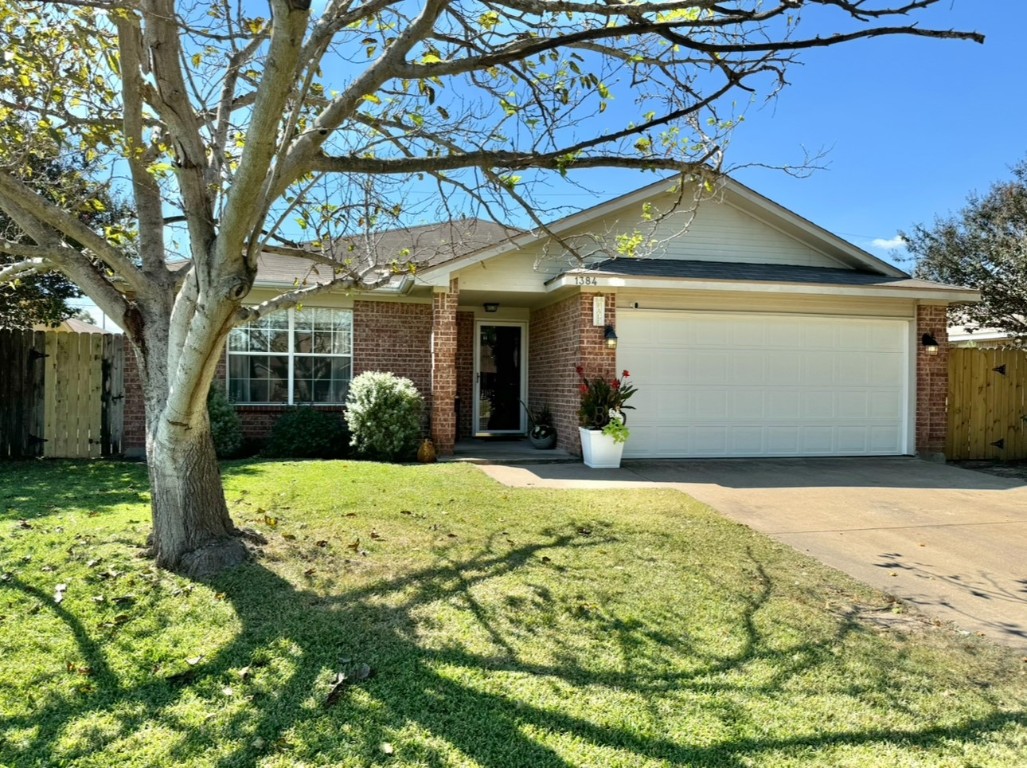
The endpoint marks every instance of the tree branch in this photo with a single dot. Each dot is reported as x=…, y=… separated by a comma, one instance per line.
x=14, y=194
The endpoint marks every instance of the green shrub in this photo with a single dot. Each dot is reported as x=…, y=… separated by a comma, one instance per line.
x=384, y=416
x=307, y=432
x=225, y=424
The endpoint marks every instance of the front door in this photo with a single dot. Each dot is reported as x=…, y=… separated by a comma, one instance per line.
x=499, y=379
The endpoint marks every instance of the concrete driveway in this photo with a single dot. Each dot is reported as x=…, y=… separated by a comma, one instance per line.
x=951, y=541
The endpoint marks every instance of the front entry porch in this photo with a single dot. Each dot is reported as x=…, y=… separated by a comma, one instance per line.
x=515, y=450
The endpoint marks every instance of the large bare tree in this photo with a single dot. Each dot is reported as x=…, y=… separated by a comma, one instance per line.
x=230, y=124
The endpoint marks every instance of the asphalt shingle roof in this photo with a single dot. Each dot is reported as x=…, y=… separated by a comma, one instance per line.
x=427, y=246
x=776, y=273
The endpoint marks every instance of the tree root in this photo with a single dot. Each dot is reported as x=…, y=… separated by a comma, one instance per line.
x=214, y=557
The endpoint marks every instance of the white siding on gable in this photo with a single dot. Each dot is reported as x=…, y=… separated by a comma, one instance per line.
x=513, y=272
x=721, y=232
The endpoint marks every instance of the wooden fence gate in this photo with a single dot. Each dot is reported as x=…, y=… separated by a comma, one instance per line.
x=61, y=394
x=987, y=411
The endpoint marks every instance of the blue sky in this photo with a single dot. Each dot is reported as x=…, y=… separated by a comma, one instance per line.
x=912, y=125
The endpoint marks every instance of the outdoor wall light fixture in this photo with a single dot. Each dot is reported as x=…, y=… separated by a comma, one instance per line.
x=491, y=306
x=611, y=337
x=930, y=344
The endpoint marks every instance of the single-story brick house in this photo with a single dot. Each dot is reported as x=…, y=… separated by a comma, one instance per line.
x=753, y=332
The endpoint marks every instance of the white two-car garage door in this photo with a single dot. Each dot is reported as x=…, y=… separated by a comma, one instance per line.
x=723, y=384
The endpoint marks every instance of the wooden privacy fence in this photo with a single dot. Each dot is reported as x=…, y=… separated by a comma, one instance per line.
x=61, y=394
x=987, y=411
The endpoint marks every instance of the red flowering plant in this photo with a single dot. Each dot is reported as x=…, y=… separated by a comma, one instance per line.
x=603, y=403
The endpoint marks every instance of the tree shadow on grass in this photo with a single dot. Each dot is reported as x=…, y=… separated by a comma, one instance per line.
x=437, y=702
x=35, y=489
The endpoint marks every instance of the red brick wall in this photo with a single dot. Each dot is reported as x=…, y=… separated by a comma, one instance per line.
x=133, y=442
x=443, y=387
x=562, y=337
x=932, y=381
x=394, y=337
x=465, y=341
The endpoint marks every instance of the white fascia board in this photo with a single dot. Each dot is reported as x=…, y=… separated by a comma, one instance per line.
x=593, y=281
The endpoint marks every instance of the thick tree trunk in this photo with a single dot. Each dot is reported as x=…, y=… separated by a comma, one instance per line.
x=192, y=531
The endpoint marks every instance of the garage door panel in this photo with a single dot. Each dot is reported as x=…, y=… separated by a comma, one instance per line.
x=745, y=441
x=748, y=365
x=747, y=404
x=820, y=336
x=763, y=385
x=785, y=368
x=852, y=439
x=883, y=436
x=709, y=441
x=711, y=404
x=818, y=370
x=783, y=404
x=819, y=404
x=851, y=404
x=884, y=404
x=817, y=441
x=884, y=371
x=783, y=440
x=854, y=371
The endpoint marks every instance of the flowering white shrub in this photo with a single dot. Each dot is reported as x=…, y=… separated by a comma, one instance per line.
x=383, y=412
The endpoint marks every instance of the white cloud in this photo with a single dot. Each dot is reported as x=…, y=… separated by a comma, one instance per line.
x=893, y=244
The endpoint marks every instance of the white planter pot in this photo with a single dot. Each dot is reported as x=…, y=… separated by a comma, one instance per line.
x=598, y=450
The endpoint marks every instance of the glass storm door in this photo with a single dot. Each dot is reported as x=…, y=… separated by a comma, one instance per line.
x=499, y=379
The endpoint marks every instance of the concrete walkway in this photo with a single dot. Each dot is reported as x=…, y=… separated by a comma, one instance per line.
x=951, y=541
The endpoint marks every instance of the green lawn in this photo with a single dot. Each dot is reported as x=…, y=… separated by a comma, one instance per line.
x=503, y=628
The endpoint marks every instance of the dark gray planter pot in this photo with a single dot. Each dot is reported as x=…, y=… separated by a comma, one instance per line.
x=543, y=443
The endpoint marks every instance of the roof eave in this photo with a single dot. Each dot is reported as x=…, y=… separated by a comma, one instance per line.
x=609, y=281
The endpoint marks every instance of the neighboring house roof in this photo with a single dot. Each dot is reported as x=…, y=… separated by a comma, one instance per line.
x=72, y=325
x=428, y=244
x=972, y=334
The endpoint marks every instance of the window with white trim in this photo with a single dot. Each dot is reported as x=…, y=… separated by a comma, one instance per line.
x=292, y=357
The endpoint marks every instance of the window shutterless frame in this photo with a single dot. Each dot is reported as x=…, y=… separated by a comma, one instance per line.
x=291, y=354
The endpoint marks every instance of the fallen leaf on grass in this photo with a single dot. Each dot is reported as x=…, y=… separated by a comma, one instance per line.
x=387, y=748
x=289, y=536
x=194, y=661
x=377, y=536
x=585, y=531
x=309, y=572
x=322, y=543
x=405, y=512
x=24, y=524
x=342, y=681
x=270, y=522
x=355, y=546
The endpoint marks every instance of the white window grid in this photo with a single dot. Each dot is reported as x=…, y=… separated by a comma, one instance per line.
x=291, y=354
